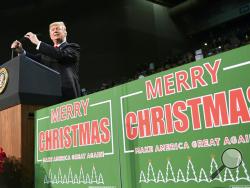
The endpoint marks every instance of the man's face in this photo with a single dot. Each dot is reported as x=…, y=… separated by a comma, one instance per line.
x=57, y=33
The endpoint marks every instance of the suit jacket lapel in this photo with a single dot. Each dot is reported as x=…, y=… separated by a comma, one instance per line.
x=63, y=45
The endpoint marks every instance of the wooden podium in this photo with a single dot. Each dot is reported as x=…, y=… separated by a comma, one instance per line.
x=17, y=133
x=29, y=86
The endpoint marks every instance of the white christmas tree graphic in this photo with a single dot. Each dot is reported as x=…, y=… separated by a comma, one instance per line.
x=45, y=180
x=180, y=176
x=100, y=179
x=73, y=178
x=59, y=175
x=76, y=181
x=81, y=176
x=50, y=177
x=87, y=179
x=213, y=168
x=151, y=173
x=55, y=179
x=65, y=179
x=70, y=176
x=230, y=175
x=170, y=173
x=203, y=176
x=240, y=168
x=93, y=175
x=191, y=174
x=160, y=177
x=142, y=177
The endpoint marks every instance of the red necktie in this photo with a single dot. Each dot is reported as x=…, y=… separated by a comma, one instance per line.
x=56, y=46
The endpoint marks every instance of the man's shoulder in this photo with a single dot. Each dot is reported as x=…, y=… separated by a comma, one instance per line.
x=72, y=45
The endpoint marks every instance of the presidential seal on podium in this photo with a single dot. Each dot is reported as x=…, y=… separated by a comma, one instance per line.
x=3, y=79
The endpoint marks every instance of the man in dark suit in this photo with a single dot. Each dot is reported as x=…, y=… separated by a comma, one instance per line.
x=63, y=57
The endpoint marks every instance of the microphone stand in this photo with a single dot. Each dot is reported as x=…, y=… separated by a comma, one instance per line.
x=12, y=53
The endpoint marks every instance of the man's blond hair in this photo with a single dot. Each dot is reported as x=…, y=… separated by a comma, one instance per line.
x=58, y=23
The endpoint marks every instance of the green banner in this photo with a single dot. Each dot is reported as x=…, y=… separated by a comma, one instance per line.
x=76, y=144
x=185, y=127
